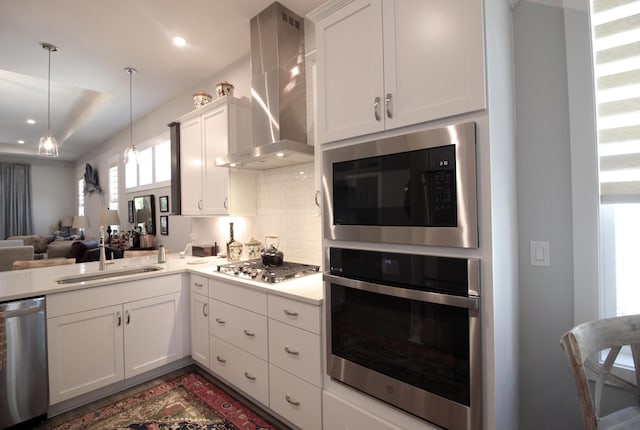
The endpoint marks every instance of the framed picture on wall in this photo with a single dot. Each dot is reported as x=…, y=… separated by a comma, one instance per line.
x=164, y=224
x=130, y=211
x=164, y=203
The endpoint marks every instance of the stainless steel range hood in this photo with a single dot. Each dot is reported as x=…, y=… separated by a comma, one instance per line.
x=278, y=92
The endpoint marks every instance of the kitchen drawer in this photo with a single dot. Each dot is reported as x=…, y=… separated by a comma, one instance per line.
x=199, y=284
x=299, y=314
x=296, y=350
x=294, y=399
x=236, y=295
x=240, y=327
x=241, y=369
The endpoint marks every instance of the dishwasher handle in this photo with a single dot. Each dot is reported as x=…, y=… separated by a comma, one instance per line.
x=21, y=312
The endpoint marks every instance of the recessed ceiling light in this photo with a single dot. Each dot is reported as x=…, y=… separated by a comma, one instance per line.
x=21, y=142
x=179, y=41
x=280, y=154
x=31, y=121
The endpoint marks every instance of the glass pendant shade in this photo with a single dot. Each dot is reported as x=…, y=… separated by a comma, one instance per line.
x=131, y=153
x=48, y=145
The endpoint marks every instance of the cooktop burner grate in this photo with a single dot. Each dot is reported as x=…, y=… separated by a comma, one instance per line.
x=255, y=270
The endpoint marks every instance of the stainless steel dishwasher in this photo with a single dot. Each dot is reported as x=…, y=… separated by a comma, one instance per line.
x=23, y=361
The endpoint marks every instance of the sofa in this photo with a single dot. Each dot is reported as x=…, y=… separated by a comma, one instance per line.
x=49, y=247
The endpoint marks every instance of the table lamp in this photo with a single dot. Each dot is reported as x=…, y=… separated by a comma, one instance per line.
x=67, y=221
x=109, y=217
x=81, y=222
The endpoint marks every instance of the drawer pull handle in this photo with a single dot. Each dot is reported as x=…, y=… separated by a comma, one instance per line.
x=249, y=333
x=291, y=351
x=249, y=377
x=290, y=313
x=198, y=284
x=221, y=322
x=291, y=401
x=220, y=359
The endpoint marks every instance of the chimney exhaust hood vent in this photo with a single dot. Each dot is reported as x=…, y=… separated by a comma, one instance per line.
x=278, y=93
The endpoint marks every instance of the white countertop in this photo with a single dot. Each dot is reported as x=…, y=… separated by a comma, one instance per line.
x=17, y=284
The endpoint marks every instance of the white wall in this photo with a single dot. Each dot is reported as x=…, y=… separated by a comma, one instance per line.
x=547, y=390
x=53, y=191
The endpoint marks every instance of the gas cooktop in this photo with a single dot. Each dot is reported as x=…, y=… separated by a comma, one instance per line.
x=256, y=271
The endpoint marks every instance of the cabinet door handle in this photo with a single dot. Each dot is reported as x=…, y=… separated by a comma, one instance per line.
x=290, y=313
x=221, y=322
x=128, y=317
x=119, y=317
x=291, y=401
x=226, y=203
x=200, y=204
x=249, y=333
x=204, y=309
x=316, y=198
x=249, y=377
x=387, y=105
x=376, y=108
x=220, y=359
x=291, y=351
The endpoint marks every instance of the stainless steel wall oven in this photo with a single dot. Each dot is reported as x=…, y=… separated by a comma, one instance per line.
x=406, y=329
x=417, y=189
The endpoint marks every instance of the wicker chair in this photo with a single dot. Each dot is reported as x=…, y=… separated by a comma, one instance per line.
x=582, y=344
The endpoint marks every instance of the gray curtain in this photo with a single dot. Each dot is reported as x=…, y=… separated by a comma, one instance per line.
x=15, y=200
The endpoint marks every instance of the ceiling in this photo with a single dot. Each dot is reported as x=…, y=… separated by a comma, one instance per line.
x=96, y=40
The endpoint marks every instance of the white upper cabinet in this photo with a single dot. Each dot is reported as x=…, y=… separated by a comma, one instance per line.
x=215, y=130
x=384, y=64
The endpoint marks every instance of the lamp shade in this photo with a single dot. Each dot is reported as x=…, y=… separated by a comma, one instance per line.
x=109, y=217
x=81, y=221
x=67, y=221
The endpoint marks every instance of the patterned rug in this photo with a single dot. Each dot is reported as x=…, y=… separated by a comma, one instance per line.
x=187, y=402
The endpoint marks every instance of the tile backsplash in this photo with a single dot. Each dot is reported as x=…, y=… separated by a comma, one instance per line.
x=286, y=208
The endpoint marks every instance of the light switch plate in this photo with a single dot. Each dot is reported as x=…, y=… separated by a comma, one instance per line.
x=540, y=253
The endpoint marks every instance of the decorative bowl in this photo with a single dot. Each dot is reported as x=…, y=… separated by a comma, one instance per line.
x=201, y=98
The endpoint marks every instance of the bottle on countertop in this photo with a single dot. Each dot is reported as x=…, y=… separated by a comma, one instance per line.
x=234, y=248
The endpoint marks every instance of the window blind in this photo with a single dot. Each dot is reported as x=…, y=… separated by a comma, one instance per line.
x=616, y=46
x=113, y=187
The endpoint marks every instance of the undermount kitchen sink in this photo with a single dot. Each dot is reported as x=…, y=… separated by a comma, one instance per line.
x=94, y=276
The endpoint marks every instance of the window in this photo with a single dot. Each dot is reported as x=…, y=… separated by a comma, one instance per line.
x=616, y=54
x=154, y=165
x=615, y=28
x=113, y=187
x=81, y=196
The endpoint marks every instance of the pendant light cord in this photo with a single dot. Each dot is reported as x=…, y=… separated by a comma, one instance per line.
x=130, y=106
x=49, y=94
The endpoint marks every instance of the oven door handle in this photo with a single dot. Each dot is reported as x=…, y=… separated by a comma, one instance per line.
x=471, y=302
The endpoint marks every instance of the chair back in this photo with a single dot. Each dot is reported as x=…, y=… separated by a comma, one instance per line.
x=31, y=264
x=9, y=254
x=583, y=345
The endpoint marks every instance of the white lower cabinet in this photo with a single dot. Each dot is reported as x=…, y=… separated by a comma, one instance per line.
x=294, y=399
x=268, y=347
x=199, y=307
x=101, y=335
x=245, y=371
x=340, y=415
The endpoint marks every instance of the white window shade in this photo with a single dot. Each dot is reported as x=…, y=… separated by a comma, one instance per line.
x=617, y=71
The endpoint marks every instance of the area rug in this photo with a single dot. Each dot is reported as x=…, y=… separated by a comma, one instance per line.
x=187, y=402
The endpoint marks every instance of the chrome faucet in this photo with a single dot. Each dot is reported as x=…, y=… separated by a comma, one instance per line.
x=103, y=259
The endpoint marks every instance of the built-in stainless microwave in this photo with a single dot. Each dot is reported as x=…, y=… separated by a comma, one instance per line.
x=417, y=189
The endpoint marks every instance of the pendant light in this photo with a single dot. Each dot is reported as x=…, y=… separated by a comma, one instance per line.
x=131, y=153
x=48, y=144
